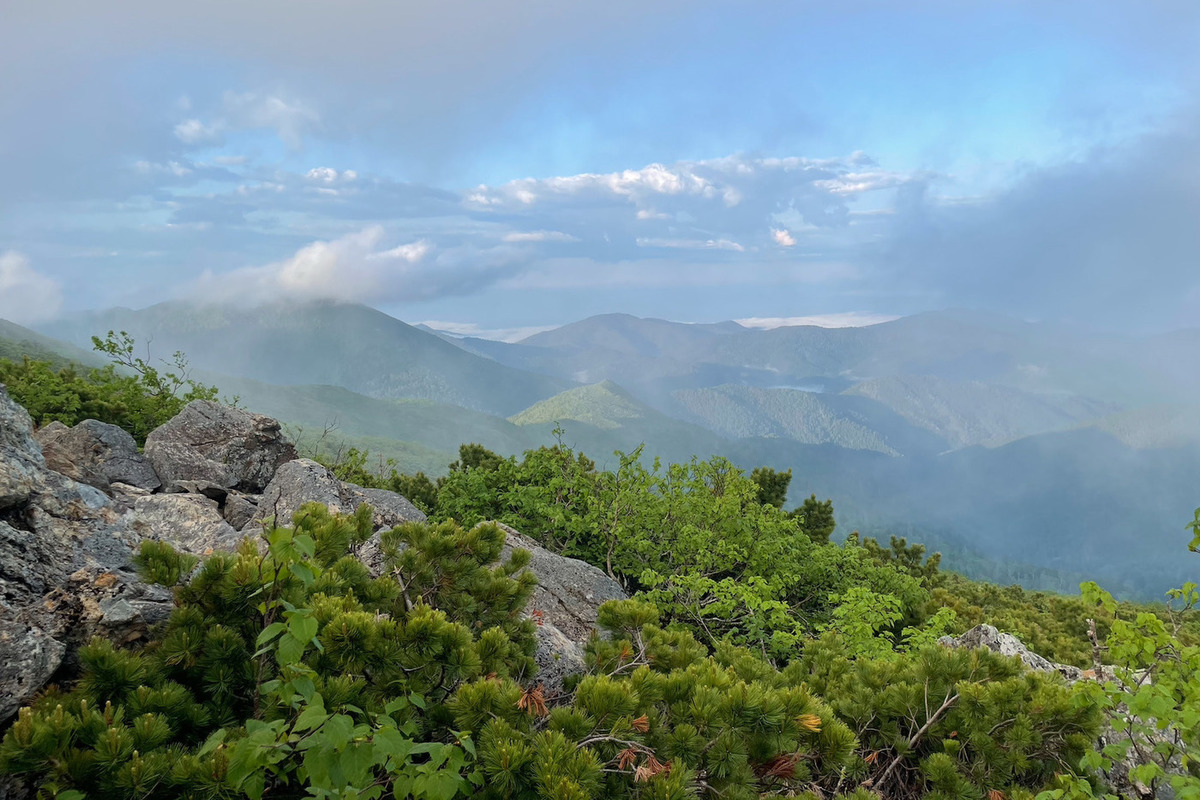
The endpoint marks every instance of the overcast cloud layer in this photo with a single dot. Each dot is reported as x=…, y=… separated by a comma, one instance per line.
x=498, y=167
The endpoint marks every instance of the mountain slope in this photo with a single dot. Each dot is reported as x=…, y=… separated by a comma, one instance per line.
x=603, y=405
x=808, y=417
x=16, y=342
x=352, y=346
x=966, y=413
x=653, y=358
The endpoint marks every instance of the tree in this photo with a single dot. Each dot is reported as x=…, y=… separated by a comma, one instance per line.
x=816, y=519
x=772, y=485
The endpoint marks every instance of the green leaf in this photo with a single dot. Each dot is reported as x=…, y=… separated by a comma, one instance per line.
x=338, y=730
x=303, y=628
x=269, y=633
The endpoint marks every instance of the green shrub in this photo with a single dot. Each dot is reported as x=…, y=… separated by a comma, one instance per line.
x=291, y=672
x=130, y=392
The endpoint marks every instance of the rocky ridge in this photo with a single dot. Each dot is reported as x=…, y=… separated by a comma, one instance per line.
x=76, y=502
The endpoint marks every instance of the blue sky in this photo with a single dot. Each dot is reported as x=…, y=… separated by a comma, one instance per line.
x=497, y=167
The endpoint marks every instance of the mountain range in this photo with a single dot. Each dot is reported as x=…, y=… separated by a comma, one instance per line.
x=1022, y=450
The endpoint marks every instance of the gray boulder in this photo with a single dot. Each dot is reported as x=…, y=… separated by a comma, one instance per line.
x=31, y=657
x=65, y=565
x=191, y=522
x=565, y=606
x=97, y=454
x=305, y=481
x=219, y=444
x=238, y=509
x=21, y=459
x=1006, y=644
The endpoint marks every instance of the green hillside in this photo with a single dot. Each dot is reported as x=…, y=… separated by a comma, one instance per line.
x=966, y=413
x=16, y=342
x=603, y=405
x=739, y=412
x=351, y=346
x=1154, y=426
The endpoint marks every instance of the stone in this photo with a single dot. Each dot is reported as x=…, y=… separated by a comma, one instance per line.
x=299, y=482
x=305, y=481
x=988, y=637
x=226, y=446
x=210, y=490
x=239, y=509
x=97, y=454
x=20, y=456
x=31, y=656
x=190, y=522
x=565, y=606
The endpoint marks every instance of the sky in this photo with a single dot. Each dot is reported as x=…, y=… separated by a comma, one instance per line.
x=496, y=168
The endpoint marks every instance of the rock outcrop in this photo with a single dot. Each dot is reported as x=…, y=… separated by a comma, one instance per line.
x=218, y=444
x=191, y=522
x=565, y=605
x=305, y=481
x=97, y=454
x=210, y=476
x=65, y=554
x=1006, y=644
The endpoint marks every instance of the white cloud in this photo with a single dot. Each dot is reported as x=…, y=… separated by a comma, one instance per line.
x=290, y=119
x=330, y=175
x=845, y=319
x=193, y=131
x=539, y=236
x=170, y=168
x=26, y=296
x=472, y=329
x=692, y=244
x=783, y=237
x=358, y=268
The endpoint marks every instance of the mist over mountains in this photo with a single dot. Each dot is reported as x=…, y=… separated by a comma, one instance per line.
x=1026, y=452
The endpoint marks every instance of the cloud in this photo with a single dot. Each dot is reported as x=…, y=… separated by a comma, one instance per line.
x=539, y=236
x=692, y=244
x=1106, y=239
x=845, y=319
x=330, y=175
x=26, y=297
x=782, y=237
x=358, y=267
x=474, y=330
x=290, y=119
x=193, y=131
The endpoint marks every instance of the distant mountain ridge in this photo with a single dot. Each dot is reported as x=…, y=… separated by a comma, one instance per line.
x=352, y=346
x=997, y=438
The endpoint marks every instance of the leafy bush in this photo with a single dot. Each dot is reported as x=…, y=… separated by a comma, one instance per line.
x=657, y=716
x=291, y=671
x=130, y=392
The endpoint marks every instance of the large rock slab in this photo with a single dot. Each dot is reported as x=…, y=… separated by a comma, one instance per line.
x=305, y=481
x=219, y=444
x=190, y=522
x=30, y=657
x=564, y=605
x=97, y=454
x=20, y=456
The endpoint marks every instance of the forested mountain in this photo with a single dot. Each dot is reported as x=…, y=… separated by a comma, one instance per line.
x=352, y=346
x=1002, y=442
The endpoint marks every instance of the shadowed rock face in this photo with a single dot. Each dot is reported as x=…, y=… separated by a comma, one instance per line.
x=97, y=454
x=222, y=445
x=65, y=556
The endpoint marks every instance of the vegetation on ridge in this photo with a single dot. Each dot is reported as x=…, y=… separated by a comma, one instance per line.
x=757, y=658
